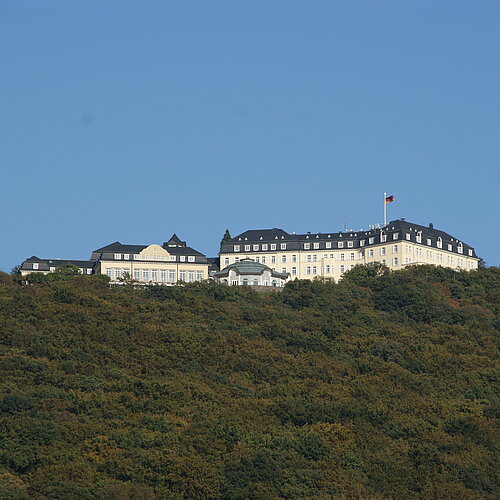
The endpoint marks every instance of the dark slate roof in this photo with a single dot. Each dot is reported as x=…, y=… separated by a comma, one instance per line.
x=45, y=264
x=180, y=249
x=174, y=241
x=249, y=266
x=296, y=242
x=261, y=235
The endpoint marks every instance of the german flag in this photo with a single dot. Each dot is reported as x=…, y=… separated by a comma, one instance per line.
x=389, y=199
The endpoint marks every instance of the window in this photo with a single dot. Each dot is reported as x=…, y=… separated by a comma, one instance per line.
x=294, y=271
x=126, y=256
x=382, y=251
x=341, y=244
x=352, y=256
x=428, y=241
x=362, y=243
x=163, y=275
x=309, y=258
x=171, y=276
x=191, y=276
x=273, y=259
x=314, y=270
x=371, y=240
x=35, y=265
x=470, y=253
x=350, y=244
x=182, y=258
x=255, y=248
x=257, y=259
x=315, y=258
x=418, y=237
x=137, y=256
x=327, y=269
x=137, y=274
x=342, y=269
x=273, y=246
x=294, y=258
x=408, y=236
x=245, y=282
x=283, y=258
x=307, y=246
x=383, y=262
x=199, y=276
x=450, y=248
x=460, y=248
x=394, y=249
x=182, y=275
x=89, y=271
x=316, y=245
x=283, y=269
x=308, y=270
x=109, y=272
x=154, y=275
x=145, y=275
x=172, y=258
x=439, y=242
x=370, y=253
x=226, y=261
x=191, y=258
x=255, y=282
x=264, y=247
x=328, y=244
x=118, y=256
x=236, y=248
x=283, y=246
x=342, y=256
x=395, y=261
x=247, y=248
x=263, y=260
x=395, y=236
x=118, y=273
x=383, y=237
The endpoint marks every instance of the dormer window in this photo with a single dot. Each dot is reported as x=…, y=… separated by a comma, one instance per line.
x=118, y=256
x=429, y=241
x=126, y=256
x=419, y=237
x=273, y=246
x=256, y=248
x=460, y=248
x=236, y=248
x=307, y=246
x=316, y=245
x=350, y=244
x=172, y=258
x=328, y=244
x=247, y=248
x=264, y=247
x=341, y=244
x=450, y=248
x=395, y=236
x=283, y=246
x=35, y=265
x=362, y=243
x=182, y=258
x=383, y=237
x=470, y=252
x=371, y=240
x=439, y=242
x=137, y=256
x=408, y=236
x=191, y=258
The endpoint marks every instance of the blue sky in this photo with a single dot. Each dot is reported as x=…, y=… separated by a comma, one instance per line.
x=131, y=120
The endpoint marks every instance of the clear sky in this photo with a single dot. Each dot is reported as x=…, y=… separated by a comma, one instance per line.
x=130, y=120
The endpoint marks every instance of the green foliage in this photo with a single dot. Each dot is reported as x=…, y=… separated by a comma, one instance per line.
x=380, y=386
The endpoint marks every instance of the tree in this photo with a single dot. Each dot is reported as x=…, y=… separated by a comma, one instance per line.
x=227, y=236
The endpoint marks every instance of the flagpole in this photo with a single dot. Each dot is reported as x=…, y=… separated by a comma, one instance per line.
x=385, y=210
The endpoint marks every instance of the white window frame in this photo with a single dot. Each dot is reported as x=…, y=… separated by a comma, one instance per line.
x=118, y=256
x=273, y=246
x=283, y=246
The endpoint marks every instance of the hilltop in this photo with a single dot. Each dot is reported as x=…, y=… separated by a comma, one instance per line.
x=380, y=386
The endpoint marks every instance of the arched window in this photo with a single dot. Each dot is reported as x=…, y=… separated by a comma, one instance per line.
x=440, y=242
x=275, y=283
x=245, y=281
x=460, y=248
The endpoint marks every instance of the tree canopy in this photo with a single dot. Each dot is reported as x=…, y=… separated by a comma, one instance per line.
x=380, y=386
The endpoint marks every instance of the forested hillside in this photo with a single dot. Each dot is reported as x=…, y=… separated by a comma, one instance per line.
x=381, y=386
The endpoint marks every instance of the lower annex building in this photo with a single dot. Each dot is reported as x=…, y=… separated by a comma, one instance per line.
x=164, y=264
